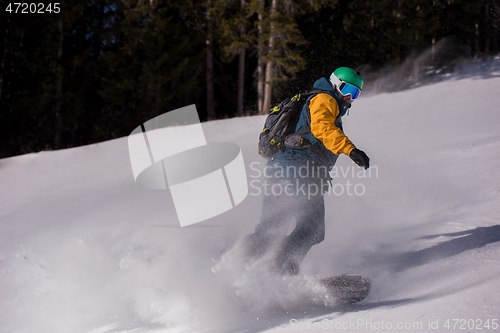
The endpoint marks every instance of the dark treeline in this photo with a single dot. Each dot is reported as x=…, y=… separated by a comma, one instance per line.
x=97, y=69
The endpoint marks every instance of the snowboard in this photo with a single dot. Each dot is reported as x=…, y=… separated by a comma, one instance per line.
x=349, y=288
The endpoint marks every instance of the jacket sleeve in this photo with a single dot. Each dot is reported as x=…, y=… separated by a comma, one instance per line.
x=324, y=110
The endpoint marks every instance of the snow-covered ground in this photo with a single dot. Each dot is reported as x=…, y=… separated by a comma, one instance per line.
x=83, y=249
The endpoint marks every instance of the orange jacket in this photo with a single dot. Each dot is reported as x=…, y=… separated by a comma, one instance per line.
x=324, y=110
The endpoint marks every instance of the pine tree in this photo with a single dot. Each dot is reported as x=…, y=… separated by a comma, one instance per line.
x=210, y=63
x=269, y=59
x=241, y=65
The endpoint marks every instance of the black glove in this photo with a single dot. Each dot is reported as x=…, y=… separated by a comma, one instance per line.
x=359, y=157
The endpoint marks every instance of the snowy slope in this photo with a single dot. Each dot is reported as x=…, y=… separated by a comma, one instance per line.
x=82, y=249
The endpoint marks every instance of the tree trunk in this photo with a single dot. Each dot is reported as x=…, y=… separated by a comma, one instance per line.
x=269, y=67
x=2, y=64
x=210, y=66
x=57, y=140
x=241, y=71
x=260, y=62
x=476, y=41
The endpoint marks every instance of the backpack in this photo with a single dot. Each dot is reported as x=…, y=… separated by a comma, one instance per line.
x=279, y=128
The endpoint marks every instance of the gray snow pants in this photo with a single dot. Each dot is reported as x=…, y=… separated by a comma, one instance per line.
x=287, y=198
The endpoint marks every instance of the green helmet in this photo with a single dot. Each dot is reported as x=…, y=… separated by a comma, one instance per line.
x=348, y=75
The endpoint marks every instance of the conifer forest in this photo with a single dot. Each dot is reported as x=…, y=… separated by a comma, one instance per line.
x=77, y=72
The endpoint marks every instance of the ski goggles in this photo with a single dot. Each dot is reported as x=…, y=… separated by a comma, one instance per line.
x=346, y=88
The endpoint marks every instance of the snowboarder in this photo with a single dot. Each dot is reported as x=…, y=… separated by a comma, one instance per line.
x=297, y=179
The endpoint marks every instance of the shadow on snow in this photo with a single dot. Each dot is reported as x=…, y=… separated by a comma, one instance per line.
x=466, y=240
